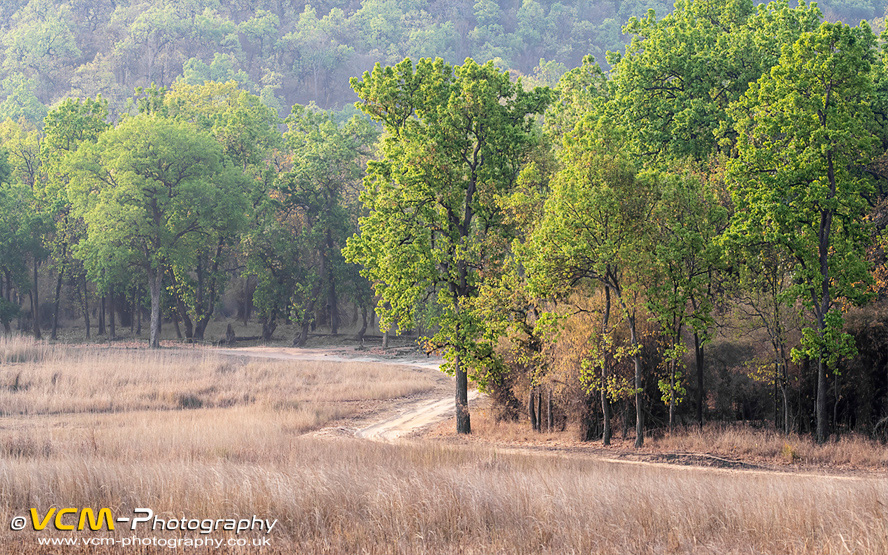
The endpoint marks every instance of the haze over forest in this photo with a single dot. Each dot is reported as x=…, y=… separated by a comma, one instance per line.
x=291, y=52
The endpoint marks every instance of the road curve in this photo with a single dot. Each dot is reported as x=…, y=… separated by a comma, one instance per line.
x=412, y=417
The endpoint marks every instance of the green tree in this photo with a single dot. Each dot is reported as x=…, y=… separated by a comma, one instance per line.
x=680, y=73
x=687, y=221
x=22, y=143
x=454, y=144
x=327, y=166
x=66, y=127
x=805, y=132
x=596, y=228
x=149, y=191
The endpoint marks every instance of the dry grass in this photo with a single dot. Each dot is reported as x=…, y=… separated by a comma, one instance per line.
x=249, y=457
x=99, y=380
x=740, y=442
x=345, y=496
x=22, y=348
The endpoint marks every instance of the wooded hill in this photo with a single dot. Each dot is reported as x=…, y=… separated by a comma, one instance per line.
x=291, y=52
x=696, y=234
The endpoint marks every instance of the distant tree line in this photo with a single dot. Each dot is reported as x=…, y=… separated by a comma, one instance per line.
x=290, y=52
x=697, y=233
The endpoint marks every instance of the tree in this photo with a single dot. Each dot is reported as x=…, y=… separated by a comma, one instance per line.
x=596, y=227
x=687, y=222
x=67, y=126
x=454, y=144
x=680, y=73
x=805, y=130
x=149, y=191
x=246, y=130
x=22, y=143
x=327, y=164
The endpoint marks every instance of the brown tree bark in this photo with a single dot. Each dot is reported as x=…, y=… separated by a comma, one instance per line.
x=155, y=279
x=35, y=305
x=463, y=422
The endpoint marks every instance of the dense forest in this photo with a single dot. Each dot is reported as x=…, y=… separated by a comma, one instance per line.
x=291, y=52
x=689, y=227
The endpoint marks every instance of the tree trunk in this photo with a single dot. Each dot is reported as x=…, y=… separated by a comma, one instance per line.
x=176, y=325
x=363, y=330
x=605, y=405
x=112, y=331
x=332, y=299
x=825, y=300
x=639, y=408
x=186, y=320
x=701, y=394
x=55, y=309
x=102, y=316
x=248, y=299
x=821, y=400
x=86, y=306
x=531, y=409
x=671, y=394
x=138, y=309
x=155, y=278
x=835, y=419
x=549, y=412
x=269, y=324
x=776, y=400
x=300, y=339
x=35, y=305
x=785, y=407
x=463, y=423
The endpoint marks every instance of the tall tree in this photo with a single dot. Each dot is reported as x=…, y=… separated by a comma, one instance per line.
x=67, y=126
x=246, y=130
x=327, y=166
x=680, y=73
x=596, y=227
x=148, y=191
x=805, y=132
x=454, y=144
x=687, y=222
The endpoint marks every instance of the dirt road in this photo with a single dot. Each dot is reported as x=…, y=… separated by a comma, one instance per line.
x=412, y=418
x=404, y=417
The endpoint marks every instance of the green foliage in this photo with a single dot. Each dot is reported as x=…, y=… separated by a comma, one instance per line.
x=454, y=142
x=21, y=104
x=804, y=129
x=680, y=73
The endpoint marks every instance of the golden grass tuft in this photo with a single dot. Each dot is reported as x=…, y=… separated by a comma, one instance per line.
x=23, y=348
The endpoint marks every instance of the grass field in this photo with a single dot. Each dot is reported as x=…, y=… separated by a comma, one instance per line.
x=190, y=434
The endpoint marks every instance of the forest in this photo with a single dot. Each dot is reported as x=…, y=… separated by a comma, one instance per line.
x=686, y=226
x=290, y=51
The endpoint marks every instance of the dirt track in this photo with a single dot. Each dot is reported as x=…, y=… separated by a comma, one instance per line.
x=406, y=417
